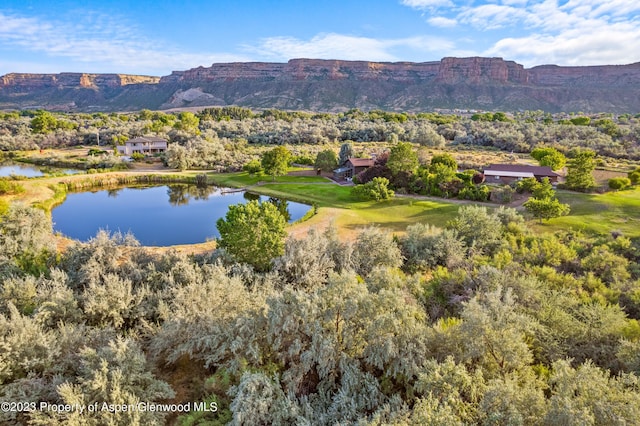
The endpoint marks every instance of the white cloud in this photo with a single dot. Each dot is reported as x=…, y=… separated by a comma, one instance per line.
x=442, y=22
x=100, y=43
x=426, y=4
x=492, y=16
x=346, y=47
x=617, y=44
x=324, y=46
x=571, y=32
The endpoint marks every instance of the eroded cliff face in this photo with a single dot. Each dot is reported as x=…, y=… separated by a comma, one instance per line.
x=335, y=85
x=307, y=69
x=71, y=80
x=481, y=70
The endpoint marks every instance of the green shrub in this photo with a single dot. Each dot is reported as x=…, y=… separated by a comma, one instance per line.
x=377, y=189
x=8, y=187
x=137, y=156
x=526, y=185
x=619, y=183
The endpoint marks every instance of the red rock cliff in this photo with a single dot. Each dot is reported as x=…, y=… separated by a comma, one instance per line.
x=72, y=80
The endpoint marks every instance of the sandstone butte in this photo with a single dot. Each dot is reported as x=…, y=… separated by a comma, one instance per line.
x=336, y=85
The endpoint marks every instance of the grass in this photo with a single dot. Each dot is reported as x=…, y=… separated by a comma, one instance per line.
x=244, y=179
x=600, y=213
x=593, y=213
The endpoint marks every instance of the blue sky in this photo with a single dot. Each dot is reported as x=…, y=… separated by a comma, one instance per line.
x=155, y=37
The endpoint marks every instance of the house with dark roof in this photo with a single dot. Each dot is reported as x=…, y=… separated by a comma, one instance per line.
x=352, y=167
x=508, y=173
x=143, y=145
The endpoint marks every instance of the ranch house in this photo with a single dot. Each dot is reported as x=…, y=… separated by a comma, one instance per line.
x=508, y=173
x=143, y=145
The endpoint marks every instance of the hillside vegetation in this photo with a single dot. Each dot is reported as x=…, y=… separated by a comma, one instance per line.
x=469, y=313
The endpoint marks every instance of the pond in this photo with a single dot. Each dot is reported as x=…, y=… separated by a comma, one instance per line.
x=158, y=215
x=8, y=168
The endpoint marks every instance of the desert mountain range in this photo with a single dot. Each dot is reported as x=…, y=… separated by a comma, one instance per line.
x=335, y=85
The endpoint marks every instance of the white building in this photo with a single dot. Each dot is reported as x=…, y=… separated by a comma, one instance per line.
x=143, y=145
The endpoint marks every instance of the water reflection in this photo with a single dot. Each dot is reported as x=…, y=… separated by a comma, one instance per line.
x=282, y=205
x=9, y=168
x=159, y=215
x=250, y=196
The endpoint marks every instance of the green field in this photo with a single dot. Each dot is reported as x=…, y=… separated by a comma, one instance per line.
x=395, y=214
x=600, y=213
x=593, y=213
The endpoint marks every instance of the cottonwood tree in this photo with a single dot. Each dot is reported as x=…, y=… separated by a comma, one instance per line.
x=402, y=158
x=276, y=161
x=444, y=159
x=253, y=233
x=549, y=157
x=326, y=160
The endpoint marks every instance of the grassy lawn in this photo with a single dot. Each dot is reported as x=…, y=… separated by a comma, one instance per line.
x=351, y=214
x=243, y=179
x=600, y=213
x=597, y=213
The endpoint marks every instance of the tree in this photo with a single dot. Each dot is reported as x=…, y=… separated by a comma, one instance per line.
x=444, y=159
x=402, y=158
x=549, y=157
x=581, y=121
x=546, y=208
x=188, y=122
x=326, y=160
x=252, y=167
x=346, y=152
x=253, y=233
x=276, y=161
x=44, y=122
x=427, y=136
x=580, y=171
x=543, y=203
x=543, y=189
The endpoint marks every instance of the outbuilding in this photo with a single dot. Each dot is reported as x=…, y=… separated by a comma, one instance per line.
x=508, y=173
x=352, y=167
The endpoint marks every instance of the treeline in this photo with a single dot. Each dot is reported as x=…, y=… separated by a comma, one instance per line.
x=480, y=322
x=607, y=135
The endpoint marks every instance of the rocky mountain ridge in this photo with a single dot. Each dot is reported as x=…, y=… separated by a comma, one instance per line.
x=336, y=85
